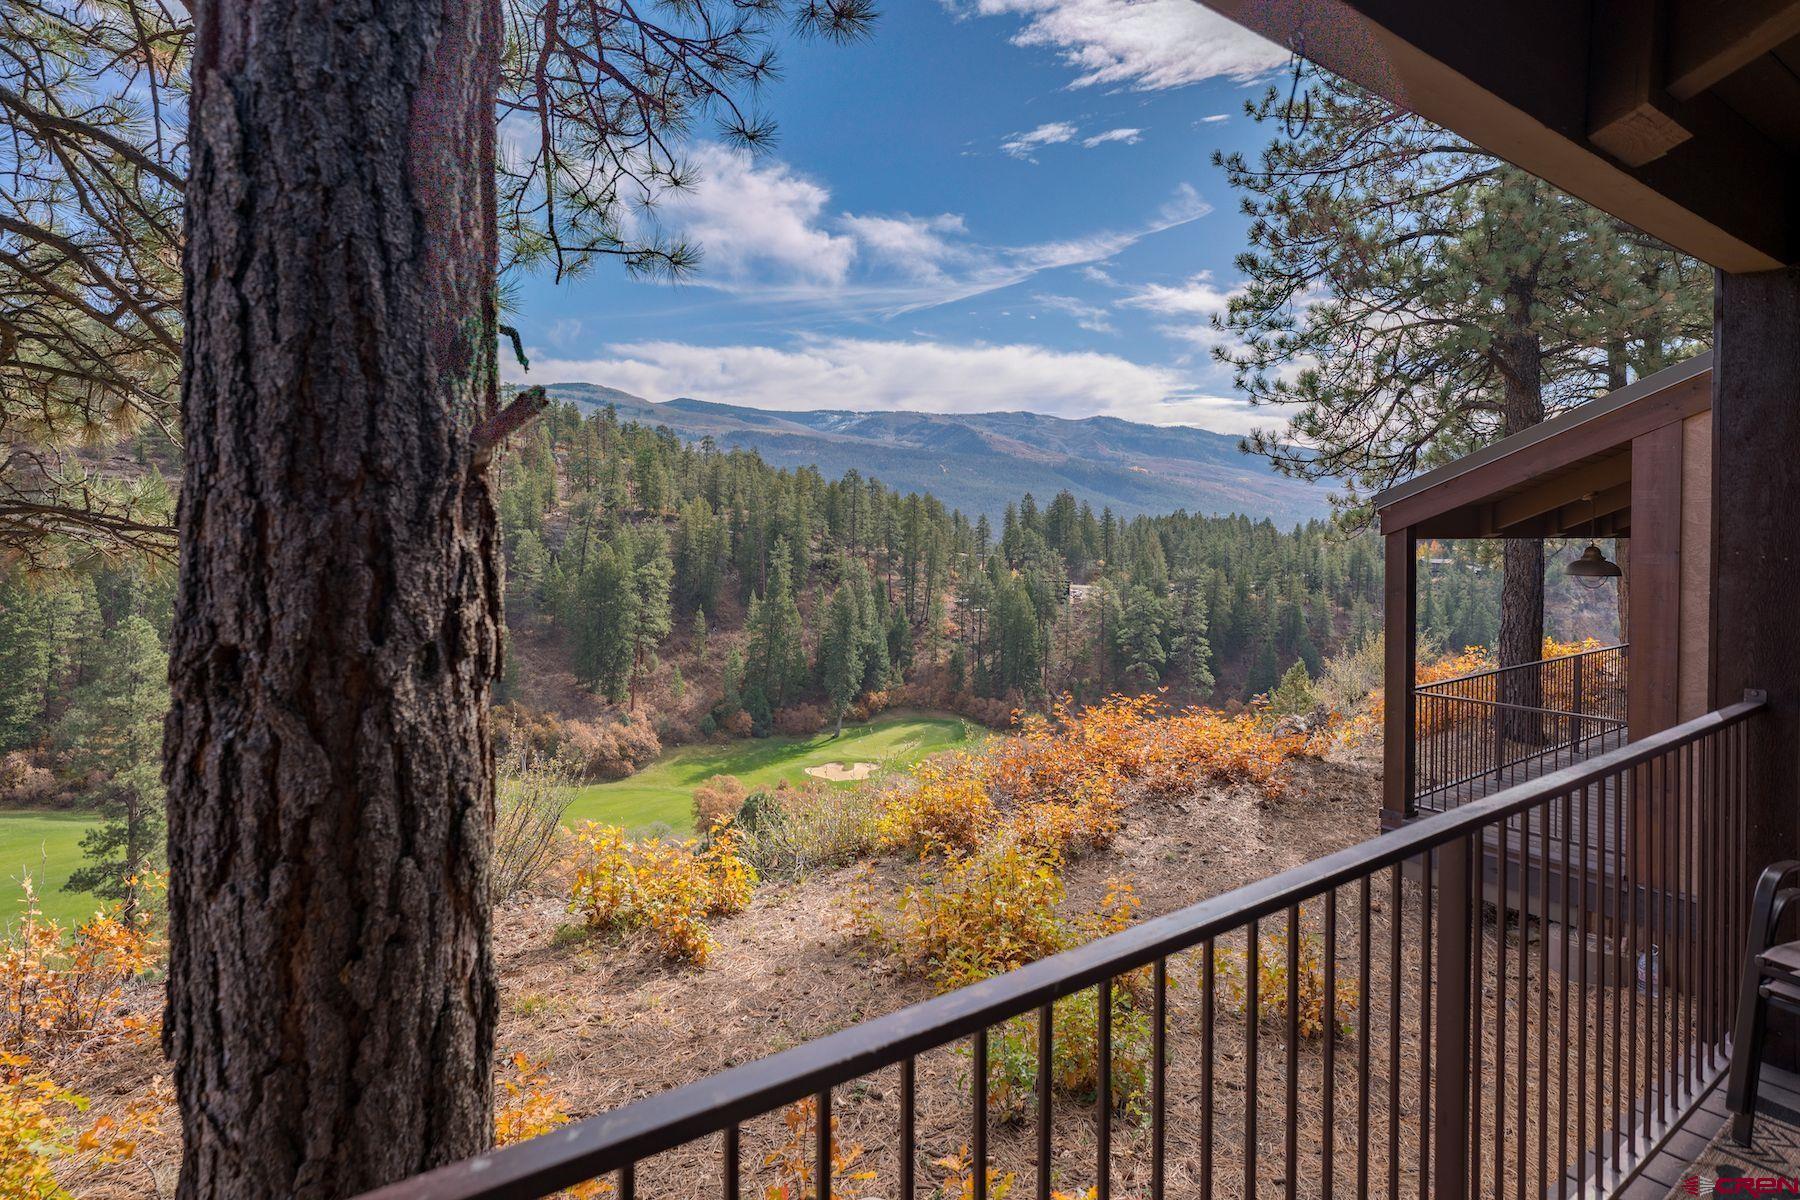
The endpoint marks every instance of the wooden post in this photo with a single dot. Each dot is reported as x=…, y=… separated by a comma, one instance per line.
x=1756, y=553
x=1756, y=542
x=1400, y=616
x=1450, y=1020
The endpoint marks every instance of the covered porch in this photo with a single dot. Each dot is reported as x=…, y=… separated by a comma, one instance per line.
x=1634, y=464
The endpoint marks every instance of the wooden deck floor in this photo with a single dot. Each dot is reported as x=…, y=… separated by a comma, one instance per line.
x=1776, y=1145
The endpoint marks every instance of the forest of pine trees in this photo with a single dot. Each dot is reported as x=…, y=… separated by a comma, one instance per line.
x=618, y=536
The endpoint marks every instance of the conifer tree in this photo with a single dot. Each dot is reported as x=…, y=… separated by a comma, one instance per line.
x=113, y=730
x=1410, y=298
x=840, y=652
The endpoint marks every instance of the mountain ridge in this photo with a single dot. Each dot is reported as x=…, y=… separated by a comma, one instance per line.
x=979, y=462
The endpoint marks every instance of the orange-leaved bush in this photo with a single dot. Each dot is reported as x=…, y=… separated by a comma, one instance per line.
x=56, y=989
x=945, y=806
x=667, y=888
x=525, y=1106
x=794, y=1159
x=1316, y=1008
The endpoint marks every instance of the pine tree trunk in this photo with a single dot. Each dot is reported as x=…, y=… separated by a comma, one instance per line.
x=1522, y=573
x=331, y=996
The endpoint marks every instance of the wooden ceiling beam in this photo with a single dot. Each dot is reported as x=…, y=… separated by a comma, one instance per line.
x=1553, y=494
x=1631, y=115
x=1515, y=78
x=1711, y=39
x=1577, y=517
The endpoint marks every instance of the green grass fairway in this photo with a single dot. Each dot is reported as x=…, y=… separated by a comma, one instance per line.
x=664, y=790
x=48, y=846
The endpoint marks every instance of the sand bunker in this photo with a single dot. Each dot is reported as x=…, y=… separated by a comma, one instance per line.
x=838, y=772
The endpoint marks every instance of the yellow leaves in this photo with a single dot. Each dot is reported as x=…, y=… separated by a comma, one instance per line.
x=1315, y=1009
x=34, y=1116
x=959, y=1178
x=945, y=807
x=979, y=915
x=793, y=1159
x=528, y=1107
x=667, y=888
x=51, y=992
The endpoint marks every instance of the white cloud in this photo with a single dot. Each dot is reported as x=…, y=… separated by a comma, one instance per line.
x=1021, y=145
x=1214, y=119
x=1130, y=137
x=752, y=214
x=1143, y=44
x=1087, y=316
x=918, y=376
x=765, y=229
x=920, y=247
x=1198, y=296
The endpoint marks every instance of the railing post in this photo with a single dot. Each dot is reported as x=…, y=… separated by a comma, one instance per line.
x=1450, y=1019
x=1399, y=797
x=1576, y=702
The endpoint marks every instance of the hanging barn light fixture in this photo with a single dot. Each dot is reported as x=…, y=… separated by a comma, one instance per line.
x=1592, y=568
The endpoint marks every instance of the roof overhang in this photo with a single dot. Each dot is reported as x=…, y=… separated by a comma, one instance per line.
x=1570, y=473
x=1681, y=118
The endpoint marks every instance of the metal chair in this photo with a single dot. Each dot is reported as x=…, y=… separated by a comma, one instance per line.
x=1771, y=976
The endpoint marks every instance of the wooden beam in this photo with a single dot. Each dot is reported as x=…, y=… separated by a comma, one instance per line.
x=1577, y=517
x=1553, y=494
x=1514, y=79
x=1755, y=538
x=1630, y=114
x=1756, y=554
x=1598, y=436
x=1710, y=39
x=1400, y=617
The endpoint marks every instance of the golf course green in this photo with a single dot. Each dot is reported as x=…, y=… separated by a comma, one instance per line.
x=664, y=790
x=47, y=846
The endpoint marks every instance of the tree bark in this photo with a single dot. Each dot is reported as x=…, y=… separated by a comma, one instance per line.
x=331, y=996
x=1522, y=570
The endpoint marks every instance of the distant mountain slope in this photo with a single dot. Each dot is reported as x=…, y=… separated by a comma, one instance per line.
x=979, y=462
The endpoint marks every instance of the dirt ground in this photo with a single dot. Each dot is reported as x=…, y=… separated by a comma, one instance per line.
x=613, y=1024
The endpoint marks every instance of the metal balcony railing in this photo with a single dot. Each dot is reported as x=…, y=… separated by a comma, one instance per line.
x=1517, y=996
x=1478, y=733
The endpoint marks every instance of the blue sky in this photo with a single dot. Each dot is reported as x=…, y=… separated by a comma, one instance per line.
x=991, y=204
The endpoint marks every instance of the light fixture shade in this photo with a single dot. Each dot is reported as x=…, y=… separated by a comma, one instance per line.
x=1593, y=568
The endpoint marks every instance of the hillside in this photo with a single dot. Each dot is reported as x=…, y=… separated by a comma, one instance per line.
x=979, y=462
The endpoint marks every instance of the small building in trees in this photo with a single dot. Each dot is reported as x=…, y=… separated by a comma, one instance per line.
x=1635, y=467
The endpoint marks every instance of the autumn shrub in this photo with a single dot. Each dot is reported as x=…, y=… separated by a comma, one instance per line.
x=958, y=1182
x=801, y=720
x=795, y=1164
x=738, y=724
x=1314, y=1009
x=55, y=990
x=525, y=1106
x=1203, y=744
x=944, y=806
x=1088, y=823
x=1074, y=1056
x=665, y=888
x=718, y=799
x=531, y=794
x=973, y=915
x=613, y=749
x=793, y=830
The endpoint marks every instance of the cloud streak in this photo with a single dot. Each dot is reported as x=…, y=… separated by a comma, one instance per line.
x=1146, y=45
x=905, y=375
x=765, y=229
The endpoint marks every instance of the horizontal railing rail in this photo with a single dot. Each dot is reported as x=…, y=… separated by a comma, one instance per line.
x=1411, y=986
x=1478, y=732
